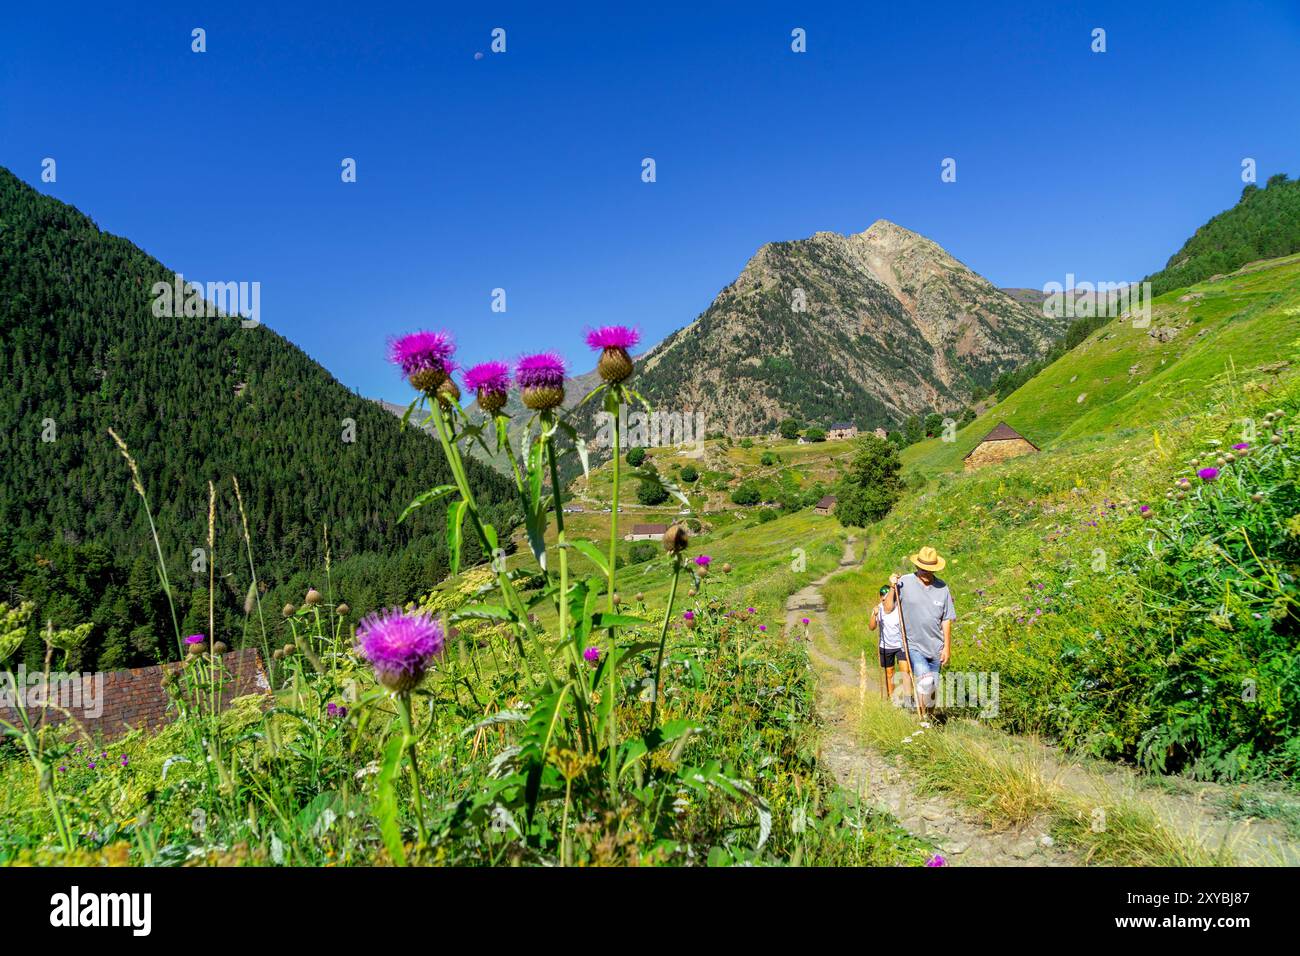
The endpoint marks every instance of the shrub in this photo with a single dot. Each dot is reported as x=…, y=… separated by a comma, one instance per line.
x=767, y=514
x=746, y=493
x=789, y=429
x=650, y=492
x=689, y=474
x=815, y=434
x=642, y=551
x=768, y=459
x=635, y=456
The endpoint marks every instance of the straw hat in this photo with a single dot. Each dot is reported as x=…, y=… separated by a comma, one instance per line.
x=928, y=559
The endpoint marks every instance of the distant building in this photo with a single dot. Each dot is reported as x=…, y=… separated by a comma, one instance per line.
x=825, y=506
x=841, y=430
x=881, y=434
x=1002, y=443
x=645, y=532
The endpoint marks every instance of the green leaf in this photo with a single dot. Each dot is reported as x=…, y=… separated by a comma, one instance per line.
x=427, y=498
x=386, y=800
x=634, y=750
x=593, y=553
x=406, y=415
x=483, y=612
x=604, y=619
x=455, y=520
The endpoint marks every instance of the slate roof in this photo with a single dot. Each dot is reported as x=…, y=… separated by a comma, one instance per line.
x=1003, y=432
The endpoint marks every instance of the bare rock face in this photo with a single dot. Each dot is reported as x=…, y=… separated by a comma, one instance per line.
x=869, y=328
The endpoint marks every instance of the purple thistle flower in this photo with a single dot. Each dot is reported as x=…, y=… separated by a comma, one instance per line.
x=613, y=337
x=688, y=616
x=1208, y=474
x=1241, y=446
x=592, y=656
x=400, y=646
x=805, y=620
x=125, y=760
x=936, y=860
x=90, y=764
x=487, y=377
x=422, y=351
x=703, y=560
x=1144, y=509
x=750, y=610
x=63, y=770
x=195, y=639
x=762, y=627
x=543, y=370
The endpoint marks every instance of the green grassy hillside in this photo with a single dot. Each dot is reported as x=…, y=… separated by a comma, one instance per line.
x=1168, y=635
x=1123, y=380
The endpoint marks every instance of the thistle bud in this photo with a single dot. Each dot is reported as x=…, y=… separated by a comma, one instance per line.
x=541, y=379
x=343, y=610
x=425, y=358
x=448, y=393
x=289, y=610
x=219, y=648
x=676, y=539
x=613, y=341
x=312, y=598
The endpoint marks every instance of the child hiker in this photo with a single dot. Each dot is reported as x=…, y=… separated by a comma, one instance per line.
x=884, y=618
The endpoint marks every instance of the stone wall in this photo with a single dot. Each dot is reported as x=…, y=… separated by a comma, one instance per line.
x=108, y=705
x=992, y=452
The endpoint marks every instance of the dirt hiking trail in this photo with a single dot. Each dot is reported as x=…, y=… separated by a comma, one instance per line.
x=961, y=837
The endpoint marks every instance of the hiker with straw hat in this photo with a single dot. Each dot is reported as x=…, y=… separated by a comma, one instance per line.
x=927, y=613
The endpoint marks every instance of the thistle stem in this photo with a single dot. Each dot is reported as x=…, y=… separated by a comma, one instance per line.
x=663, y=636
x=452, y=454
x=408, y=743
x=611, y=718
x=569, y=640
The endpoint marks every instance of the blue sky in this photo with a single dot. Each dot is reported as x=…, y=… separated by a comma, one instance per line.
x=522, y=170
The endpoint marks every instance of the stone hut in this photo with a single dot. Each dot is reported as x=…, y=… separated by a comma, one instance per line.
x=998, y=445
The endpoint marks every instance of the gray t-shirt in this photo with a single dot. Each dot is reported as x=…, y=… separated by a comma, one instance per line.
x=924, y=611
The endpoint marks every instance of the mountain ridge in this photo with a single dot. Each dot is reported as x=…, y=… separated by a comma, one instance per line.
x=872, y=327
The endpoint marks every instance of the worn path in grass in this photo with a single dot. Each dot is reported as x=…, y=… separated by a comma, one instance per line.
x=1193, y=810
x=962, y=839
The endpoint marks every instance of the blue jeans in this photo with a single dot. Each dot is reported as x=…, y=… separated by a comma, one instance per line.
x=922, y=665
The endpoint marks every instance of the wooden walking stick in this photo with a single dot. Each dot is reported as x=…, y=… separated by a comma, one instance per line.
x=907, y=654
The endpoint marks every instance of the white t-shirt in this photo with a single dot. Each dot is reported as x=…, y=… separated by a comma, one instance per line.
x=891, y=629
